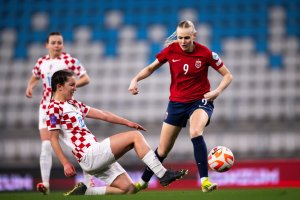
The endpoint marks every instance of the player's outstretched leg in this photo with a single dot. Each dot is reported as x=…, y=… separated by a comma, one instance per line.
x=79, y=189
x=142, y=184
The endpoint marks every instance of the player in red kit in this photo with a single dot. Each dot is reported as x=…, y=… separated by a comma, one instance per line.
x=190, y=96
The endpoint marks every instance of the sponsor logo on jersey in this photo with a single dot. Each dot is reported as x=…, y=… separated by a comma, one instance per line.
x=80, y=121
x=198, y=63
x=174, y=60
x=53, y=120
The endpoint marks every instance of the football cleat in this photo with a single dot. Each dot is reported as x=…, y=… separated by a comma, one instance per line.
x=40, y=187
x=79, y=189
x=138, y=186
x=208, y=186
x=171, y=176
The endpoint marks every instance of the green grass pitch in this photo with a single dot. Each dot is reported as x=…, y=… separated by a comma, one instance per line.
x=226, y=194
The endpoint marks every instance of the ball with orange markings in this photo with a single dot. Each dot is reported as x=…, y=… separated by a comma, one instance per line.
x=220, y=159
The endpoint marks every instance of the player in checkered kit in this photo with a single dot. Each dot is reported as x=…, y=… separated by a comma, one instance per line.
x=190, y=96
x=43, y=69
x=65, y=121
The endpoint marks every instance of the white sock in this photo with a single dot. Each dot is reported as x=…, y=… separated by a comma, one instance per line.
x=88, y=179
x=95, y=191
x=142, y=182
x=203, y=179
x=154, y=164
x=46, y=161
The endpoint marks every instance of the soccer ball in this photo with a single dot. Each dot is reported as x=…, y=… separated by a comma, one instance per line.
x=220, y=159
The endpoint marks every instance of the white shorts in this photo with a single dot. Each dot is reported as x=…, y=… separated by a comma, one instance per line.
x=42, y=118
x=100, y=162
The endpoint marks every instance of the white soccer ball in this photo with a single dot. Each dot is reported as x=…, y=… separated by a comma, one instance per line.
x=220, y=159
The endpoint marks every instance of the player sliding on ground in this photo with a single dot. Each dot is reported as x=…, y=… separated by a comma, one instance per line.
x=65, y=120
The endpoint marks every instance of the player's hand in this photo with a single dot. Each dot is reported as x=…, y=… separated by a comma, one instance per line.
x=133, y=87
x=212, y=95
x=136, y=126
x=28, y=93
x=69, y=170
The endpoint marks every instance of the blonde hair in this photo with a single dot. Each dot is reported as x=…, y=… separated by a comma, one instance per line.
x=183, y=24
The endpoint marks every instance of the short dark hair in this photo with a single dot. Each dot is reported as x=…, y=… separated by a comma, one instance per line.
x=60, y=77
x=52, y=33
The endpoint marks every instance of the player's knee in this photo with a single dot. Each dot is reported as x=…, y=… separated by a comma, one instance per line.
x=138, y=134
x=195, y=132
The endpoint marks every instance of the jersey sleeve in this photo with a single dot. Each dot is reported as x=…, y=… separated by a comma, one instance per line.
x=37, y=68
x=162, y=56
x=84, y=108
x=215, y=61
x=75, y=65
x=53, y=117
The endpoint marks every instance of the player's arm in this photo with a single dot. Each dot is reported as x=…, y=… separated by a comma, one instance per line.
x=69, y=169
x=144, y=73
x=83, y=80
x=33, y=81
x=226, y=80
x=112, y=118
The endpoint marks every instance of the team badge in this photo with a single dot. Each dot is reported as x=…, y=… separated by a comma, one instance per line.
x=53, y=120
x=198, y=63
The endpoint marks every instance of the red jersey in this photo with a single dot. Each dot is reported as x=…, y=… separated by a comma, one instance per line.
x=189, y=71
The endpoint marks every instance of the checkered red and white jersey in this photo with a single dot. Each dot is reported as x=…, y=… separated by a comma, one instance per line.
x=69, y=117
x=45, y=68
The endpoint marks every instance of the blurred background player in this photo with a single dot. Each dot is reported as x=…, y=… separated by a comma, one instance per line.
x=190, y=96
x=65, y=120
x=44, y=69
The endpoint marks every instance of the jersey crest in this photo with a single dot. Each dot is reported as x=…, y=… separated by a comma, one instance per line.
x=198, y=64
